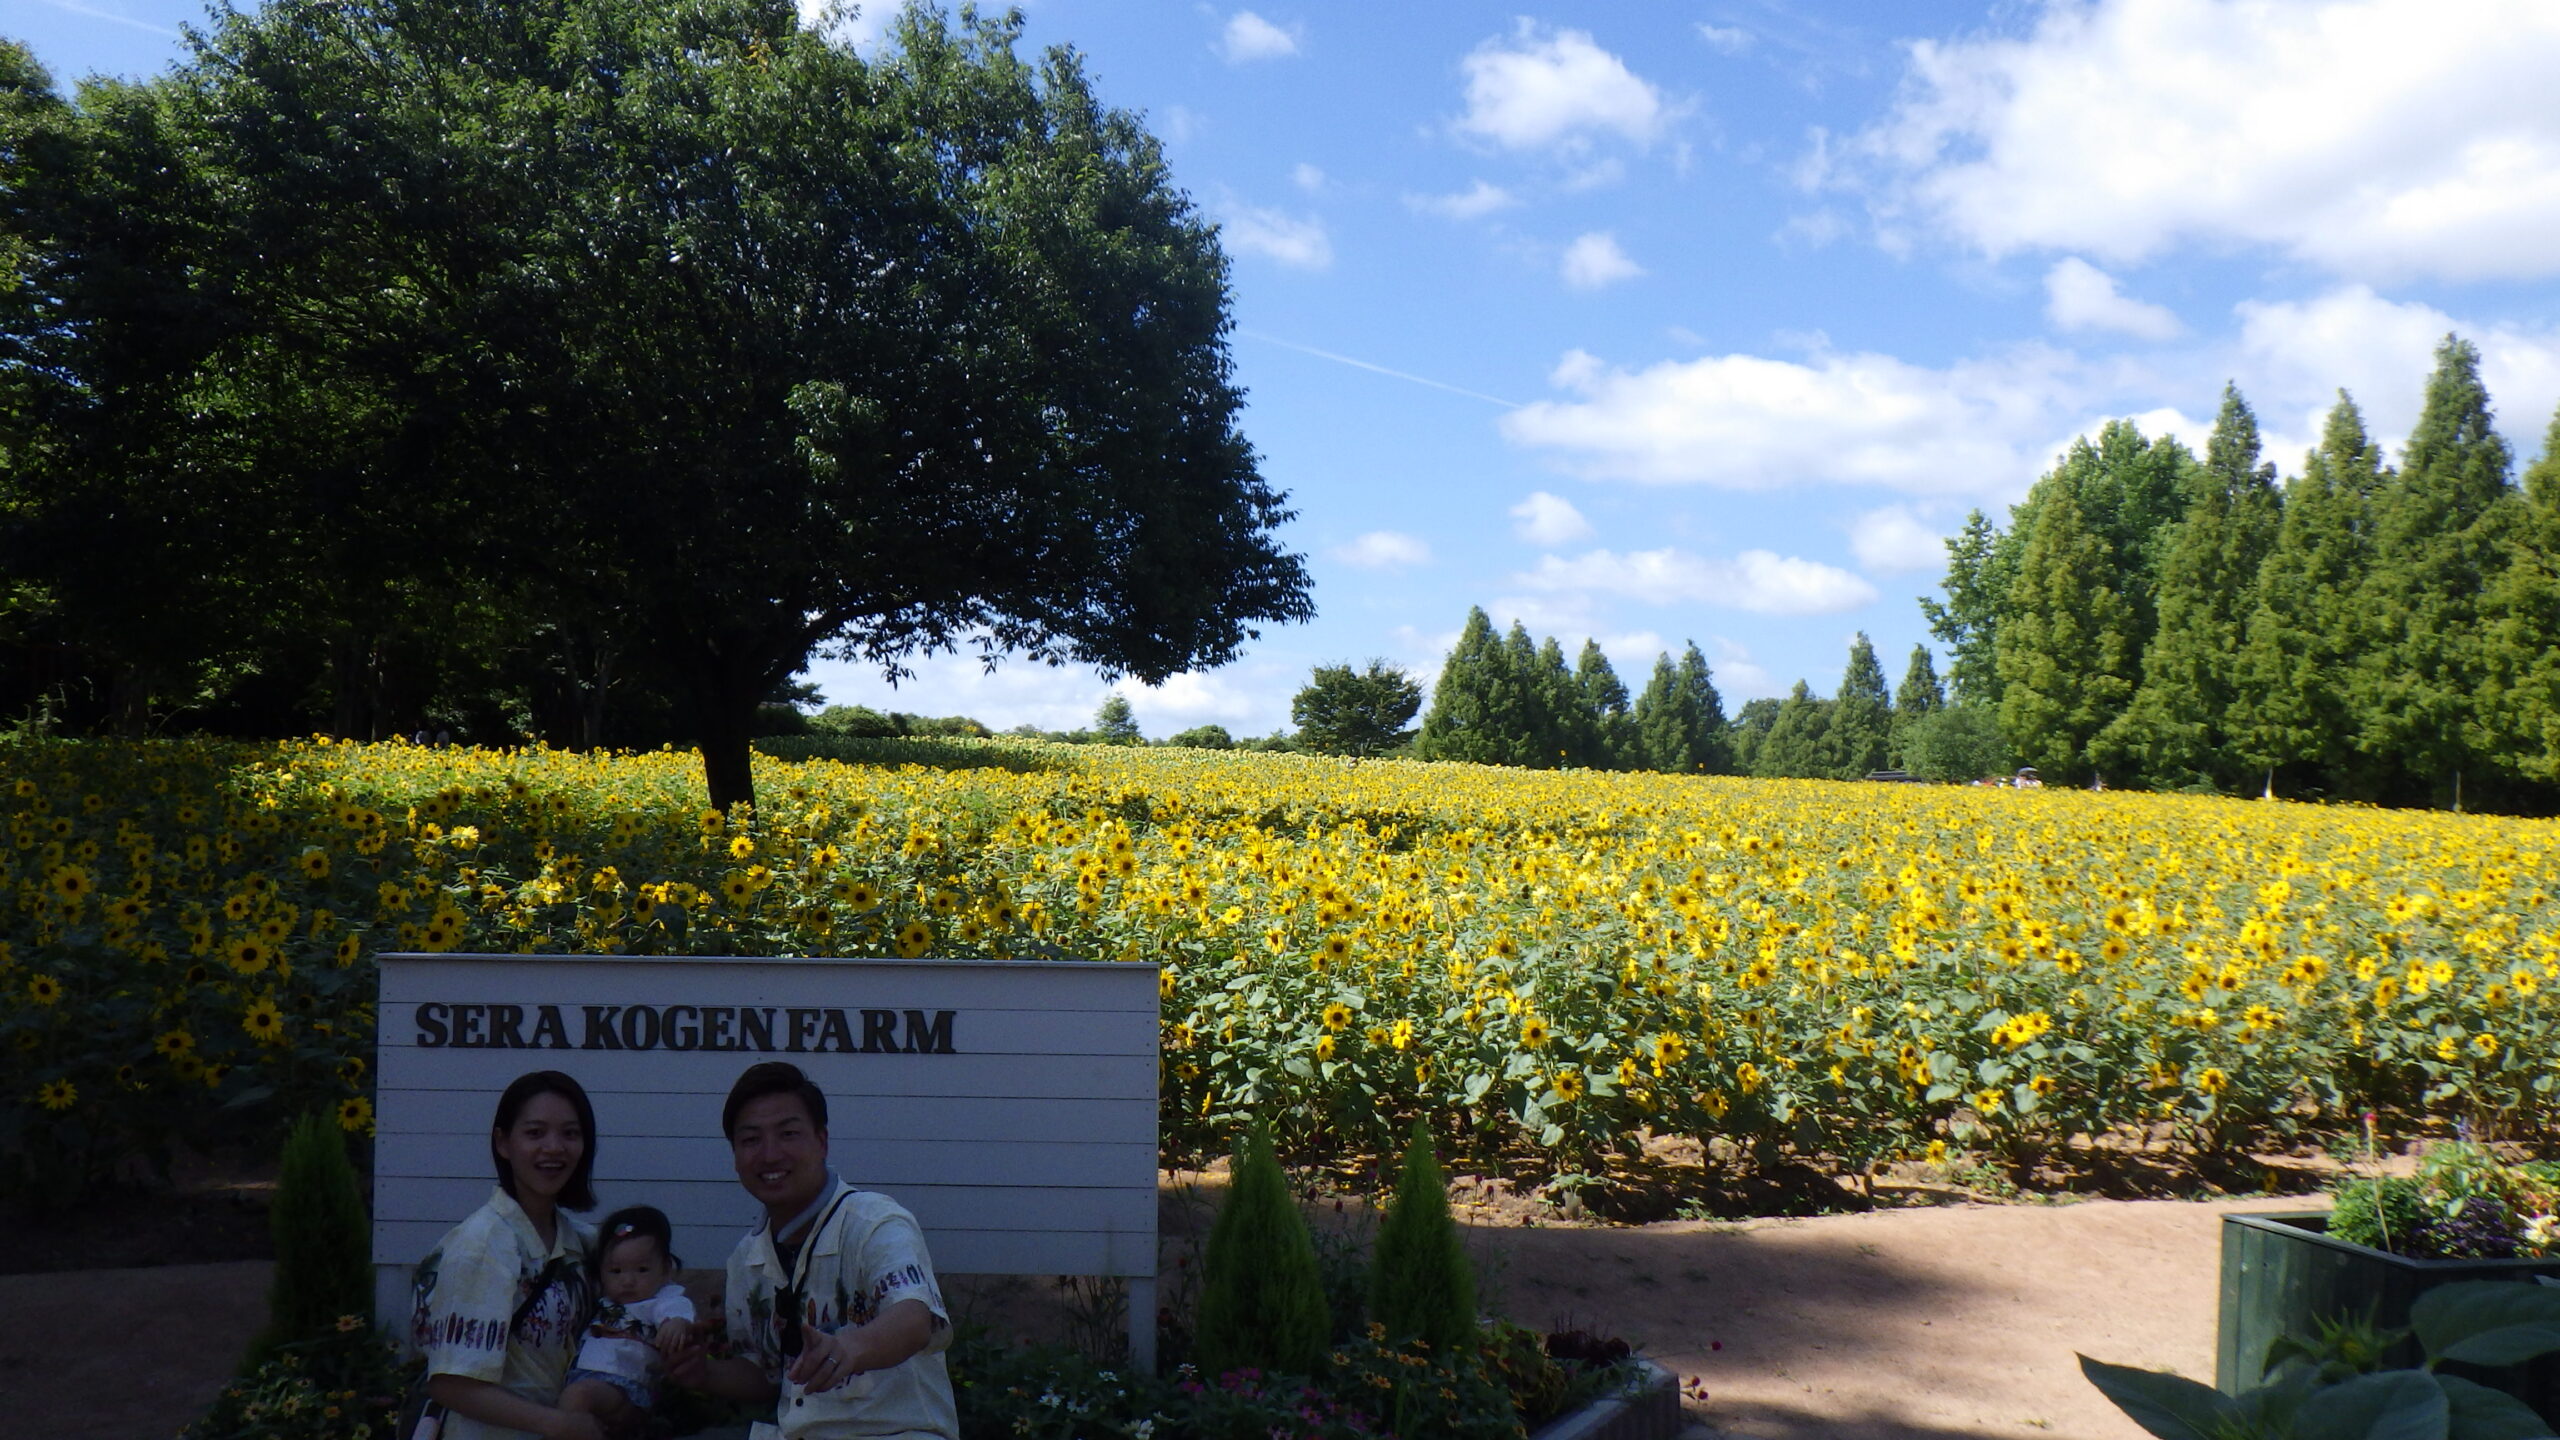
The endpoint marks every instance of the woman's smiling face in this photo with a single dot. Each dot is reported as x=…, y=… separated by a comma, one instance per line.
x=543, y=1148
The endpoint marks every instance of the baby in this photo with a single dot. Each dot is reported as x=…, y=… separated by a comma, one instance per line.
x=645, y=1314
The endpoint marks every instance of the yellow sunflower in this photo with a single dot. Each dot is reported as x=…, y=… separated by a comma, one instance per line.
x=355, y=1115
x=44, y=989
x=264, y=1022
x=57, y=1094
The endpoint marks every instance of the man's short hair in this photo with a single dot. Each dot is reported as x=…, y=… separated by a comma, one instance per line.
x=772, y=1077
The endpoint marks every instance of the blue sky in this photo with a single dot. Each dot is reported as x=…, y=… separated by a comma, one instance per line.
x=1705, y=319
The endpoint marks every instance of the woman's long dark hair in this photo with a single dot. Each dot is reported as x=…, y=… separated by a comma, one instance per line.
x=580, y=1192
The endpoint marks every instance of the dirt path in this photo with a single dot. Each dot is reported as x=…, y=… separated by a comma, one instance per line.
x=1929, y=1324
x=1953, y=1323
x=123, y=1354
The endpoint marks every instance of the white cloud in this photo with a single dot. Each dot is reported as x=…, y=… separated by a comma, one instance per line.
x=1594, y=260
x=1384, y=550
x=1731, y=39
x=1473, y=203
x=1276, y=235
x=1251, y=696
x=1893, y=541
x=1745, y=422
x=1756, y=580
x=2080, y=296
x=1536, y=90
x=1546, y=519
x=2373, y=138
x=2294, y=356
x=1739, y=677
x=1306, y=177
x=1247, y=37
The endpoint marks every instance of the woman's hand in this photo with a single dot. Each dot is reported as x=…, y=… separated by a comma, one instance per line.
x=672, y=1335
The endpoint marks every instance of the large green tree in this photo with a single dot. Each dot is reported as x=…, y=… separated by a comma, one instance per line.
x=2174, y=732
x=1613, y=741
x=2066, y=650
x=2439, y=545
x=1917, y=697
x=2290, y=712
x=705, y=338
x=1860, y=735
x=1798, y=744
x=1679, y=719
x=1967, y=621
x=2520, y=700
x=1343, y=711
x=1473, y=714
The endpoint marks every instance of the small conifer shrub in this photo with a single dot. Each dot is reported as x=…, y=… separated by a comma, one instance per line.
x=324, y=1261
x=1262, y=1303
x=1421, y=1286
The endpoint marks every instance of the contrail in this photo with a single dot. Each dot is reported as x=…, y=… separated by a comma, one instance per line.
x=94, y=13
x=1379, y=369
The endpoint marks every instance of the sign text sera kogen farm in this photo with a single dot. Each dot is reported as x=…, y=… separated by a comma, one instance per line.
x=770, y=1029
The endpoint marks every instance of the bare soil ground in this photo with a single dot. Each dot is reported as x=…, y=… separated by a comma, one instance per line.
x=1948, y=1321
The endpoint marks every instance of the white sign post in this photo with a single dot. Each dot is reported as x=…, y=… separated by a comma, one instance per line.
x=1010, y=1105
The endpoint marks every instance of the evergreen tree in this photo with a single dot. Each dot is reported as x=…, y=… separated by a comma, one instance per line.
x=1420, y=1285
x=1798, y=744
x=2438, y=547
x=1262, y=1299
x=2290, y=710
x=2173, y=734
x=324, y=1244
x=1564, y=727
x=1917, y=696
x=2520, y=701
x=1114, y=723
x=2066, y=646
x=1710, y=751
x=1614, y=745
x=1471, y=708
x=1751, y=727
x=1342, y=711
x=1861, y=731
x=1968, y=620
x=1665, y=721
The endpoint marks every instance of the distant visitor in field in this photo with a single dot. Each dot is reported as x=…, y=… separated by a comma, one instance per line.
x=832, y=1302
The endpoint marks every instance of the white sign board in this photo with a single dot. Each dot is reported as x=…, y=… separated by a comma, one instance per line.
x=1010, y=1105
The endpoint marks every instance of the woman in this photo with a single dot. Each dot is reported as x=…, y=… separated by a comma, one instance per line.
x=503, y=1298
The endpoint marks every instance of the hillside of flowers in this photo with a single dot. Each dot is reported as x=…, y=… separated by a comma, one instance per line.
x=1546, y=964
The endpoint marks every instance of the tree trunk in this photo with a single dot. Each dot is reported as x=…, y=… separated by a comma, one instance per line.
x=129, y=702
x=722, y=727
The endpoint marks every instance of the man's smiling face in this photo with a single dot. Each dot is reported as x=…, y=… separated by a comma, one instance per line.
x=780, y=1153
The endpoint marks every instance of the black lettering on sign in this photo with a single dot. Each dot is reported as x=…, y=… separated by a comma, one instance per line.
x=836, y=1033
x=929, y=1037
x=547, y=1023
x=684, y=1028
x=503, y=1020
x=801, y=1030
x=879, y=1031
x=638, y=1036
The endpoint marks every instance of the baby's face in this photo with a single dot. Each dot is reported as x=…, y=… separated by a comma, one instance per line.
x=634, y=1270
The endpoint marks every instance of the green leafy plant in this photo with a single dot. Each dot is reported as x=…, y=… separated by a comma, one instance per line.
x=344, y=1384
x=324, y=1266
x=1420, y=1285
x=1262, y=1300
x=2463, y=1203
x=2331, y=1388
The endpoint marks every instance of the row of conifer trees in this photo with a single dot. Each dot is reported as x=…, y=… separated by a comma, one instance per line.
x=2364, y=631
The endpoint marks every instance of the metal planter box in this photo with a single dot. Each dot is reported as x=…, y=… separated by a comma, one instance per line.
x=2283, y=1273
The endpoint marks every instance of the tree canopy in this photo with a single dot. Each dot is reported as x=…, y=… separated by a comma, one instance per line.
x=681, y=341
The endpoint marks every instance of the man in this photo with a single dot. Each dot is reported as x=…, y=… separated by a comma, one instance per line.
x=832, y=1305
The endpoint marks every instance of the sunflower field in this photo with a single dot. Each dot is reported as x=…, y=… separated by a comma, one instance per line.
x=1549, y=964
